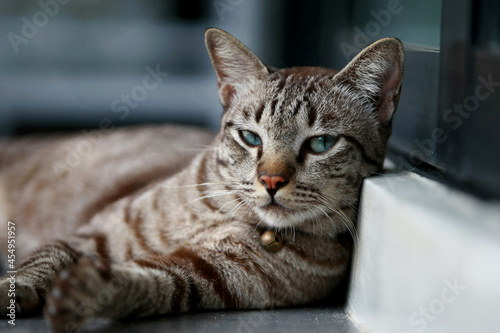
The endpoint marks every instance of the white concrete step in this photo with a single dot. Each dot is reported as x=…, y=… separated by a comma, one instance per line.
x=428, y=260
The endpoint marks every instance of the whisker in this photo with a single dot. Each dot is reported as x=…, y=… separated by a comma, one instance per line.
x=328, y=216
x=347, y=221
x=234, y=209
x=315, y=220
x=249, y=209
x=194, y=185
x=241, y=204
x=212, y=195
x=348, y=204
x=227, y=203
x=261, y=220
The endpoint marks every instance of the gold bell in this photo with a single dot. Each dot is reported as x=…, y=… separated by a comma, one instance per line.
x=271, y=241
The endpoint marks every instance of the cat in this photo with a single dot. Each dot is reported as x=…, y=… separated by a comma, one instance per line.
x=262, y=218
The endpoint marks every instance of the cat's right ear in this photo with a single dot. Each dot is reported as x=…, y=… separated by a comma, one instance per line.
x=235, y=65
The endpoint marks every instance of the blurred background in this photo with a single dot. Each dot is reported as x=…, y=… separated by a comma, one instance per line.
x=69, y=64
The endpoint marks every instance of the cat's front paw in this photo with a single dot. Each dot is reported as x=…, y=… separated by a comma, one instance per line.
x=18, y=298
x=78, y=295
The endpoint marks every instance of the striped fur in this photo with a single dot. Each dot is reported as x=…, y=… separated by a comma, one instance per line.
x=146, y=227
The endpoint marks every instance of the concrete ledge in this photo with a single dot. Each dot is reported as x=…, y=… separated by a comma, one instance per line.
x=428, y=260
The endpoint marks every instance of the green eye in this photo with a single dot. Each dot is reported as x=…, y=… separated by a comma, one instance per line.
x=251, y=138
x=322, y=143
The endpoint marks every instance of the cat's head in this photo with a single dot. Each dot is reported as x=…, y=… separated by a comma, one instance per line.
x=296, y=143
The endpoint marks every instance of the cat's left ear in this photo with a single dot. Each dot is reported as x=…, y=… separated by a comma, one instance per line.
x=375, y=75
x=234, y=64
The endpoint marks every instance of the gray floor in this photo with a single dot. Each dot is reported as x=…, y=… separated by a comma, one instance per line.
x=276, y=321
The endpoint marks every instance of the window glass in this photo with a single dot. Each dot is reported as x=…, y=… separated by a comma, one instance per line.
x=414, y=22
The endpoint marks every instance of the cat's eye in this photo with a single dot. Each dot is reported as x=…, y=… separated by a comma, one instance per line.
x=322, y=143
x=251, y=138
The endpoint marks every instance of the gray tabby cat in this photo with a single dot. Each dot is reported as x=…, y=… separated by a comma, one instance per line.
x=262, y=219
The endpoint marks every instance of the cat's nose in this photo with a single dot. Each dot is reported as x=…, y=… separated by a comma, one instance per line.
x=273, y=183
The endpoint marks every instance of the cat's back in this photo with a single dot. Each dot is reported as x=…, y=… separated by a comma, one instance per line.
x=50, y=185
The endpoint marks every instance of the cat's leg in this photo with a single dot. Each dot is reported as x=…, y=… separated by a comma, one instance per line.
x=34, y=278
x=221, y=276
x=149, y=286
x=187, y=279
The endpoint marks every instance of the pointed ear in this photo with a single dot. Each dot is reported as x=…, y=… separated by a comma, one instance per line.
x=376, y=74
x=233, y=62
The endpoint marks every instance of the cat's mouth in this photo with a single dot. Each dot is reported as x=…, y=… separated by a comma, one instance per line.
x=275, y=206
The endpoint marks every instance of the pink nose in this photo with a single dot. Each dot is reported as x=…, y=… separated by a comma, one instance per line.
x=272, y=182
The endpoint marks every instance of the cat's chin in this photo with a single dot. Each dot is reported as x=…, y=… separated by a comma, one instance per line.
x=278, y=216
